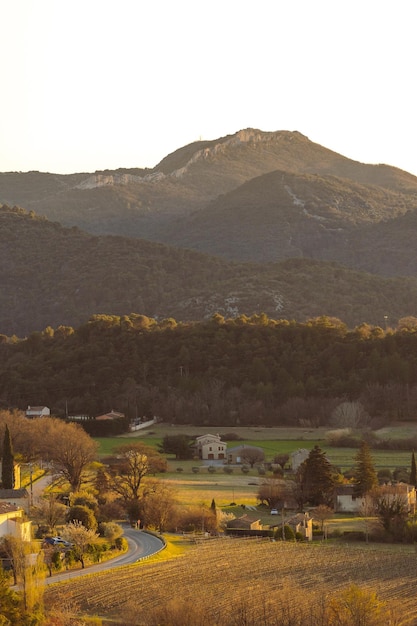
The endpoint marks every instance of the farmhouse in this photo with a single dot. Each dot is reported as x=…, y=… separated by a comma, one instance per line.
x=210, y=447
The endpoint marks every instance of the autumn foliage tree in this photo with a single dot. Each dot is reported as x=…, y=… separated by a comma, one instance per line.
x=68, y=448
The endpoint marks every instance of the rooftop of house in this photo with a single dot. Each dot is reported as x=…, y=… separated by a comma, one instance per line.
x=8, y=494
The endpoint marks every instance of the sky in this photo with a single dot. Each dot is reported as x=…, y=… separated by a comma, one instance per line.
x=97, y=84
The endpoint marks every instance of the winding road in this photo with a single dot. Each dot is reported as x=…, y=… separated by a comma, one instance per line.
x=140, y=545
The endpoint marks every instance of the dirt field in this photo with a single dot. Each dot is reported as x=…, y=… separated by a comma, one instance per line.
x=260, y=577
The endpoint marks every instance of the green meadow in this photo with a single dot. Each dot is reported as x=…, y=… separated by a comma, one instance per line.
x=201, y=487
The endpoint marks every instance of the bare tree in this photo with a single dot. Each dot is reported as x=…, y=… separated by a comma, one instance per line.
x=281, y=459
x=322, y=513
x=367, y=511
x=27, y=567
x=157, y=504
x=252, y=455
x=274, y=492
x=49, y=512
x=350, y=415
x=127, y=470
x=391, y=507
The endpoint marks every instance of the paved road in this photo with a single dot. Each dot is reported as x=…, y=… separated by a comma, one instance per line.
x=141, y=545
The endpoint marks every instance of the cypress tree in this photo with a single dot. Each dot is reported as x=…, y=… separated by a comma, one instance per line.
x=317, y=478
x=365, y=477
x=7, y=474
x=413, y=473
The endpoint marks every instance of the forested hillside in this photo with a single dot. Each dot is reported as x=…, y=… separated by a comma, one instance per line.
x=244, y=371
x=54, y=276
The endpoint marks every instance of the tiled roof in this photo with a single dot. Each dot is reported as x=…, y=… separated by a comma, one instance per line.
x=6, y=507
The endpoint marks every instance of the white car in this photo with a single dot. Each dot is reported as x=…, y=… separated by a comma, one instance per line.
x=274, y=511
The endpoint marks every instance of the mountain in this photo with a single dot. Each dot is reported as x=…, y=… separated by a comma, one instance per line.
x=252, y=196
x=52, y=276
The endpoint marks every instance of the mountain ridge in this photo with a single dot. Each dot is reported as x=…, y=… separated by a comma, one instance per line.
x=235, y=225
x=53, y=276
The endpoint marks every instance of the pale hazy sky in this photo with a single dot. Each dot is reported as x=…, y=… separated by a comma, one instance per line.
x=95, y=84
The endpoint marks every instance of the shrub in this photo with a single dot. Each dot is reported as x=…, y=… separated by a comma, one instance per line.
x=245, y=469
x=195, y=470
x=289, y=533
x=180, y=469
x=227, y=469
x=384, y=475
x=83, y=514
x=231, y=437
x=211, y=469
x=121, y=543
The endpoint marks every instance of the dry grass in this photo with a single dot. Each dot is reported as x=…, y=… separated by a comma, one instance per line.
x=225, y=574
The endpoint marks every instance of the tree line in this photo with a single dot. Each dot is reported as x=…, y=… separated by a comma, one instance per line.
x=243, y=371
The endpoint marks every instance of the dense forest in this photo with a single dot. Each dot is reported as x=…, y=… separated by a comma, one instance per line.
x=249, y=370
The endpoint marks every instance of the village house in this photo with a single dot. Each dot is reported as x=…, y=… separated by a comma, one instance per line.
x=346, y=502
x=17, y=497
x=111, y=415
x=301, y=523
x=244, y=522
x=210, y=448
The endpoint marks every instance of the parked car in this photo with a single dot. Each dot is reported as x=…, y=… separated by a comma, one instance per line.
x=274, y=511
x=58, y=541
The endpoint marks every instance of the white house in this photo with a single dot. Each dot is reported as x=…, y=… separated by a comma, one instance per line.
x=210, y=447
x=297, y=458
x=12, y=522
x=37, y=411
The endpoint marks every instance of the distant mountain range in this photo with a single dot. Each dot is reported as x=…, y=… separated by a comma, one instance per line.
x=250, y=222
